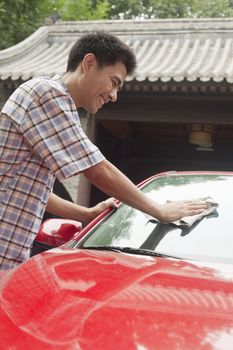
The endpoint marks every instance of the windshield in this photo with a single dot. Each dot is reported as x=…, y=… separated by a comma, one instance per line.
x=211, y=238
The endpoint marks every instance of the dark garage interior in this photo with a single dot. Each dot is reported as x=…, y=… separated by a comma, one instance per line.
x=141, y=148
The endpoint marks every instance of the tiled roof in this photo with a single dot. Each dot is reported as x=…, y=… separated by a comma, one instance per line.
x=166, y=50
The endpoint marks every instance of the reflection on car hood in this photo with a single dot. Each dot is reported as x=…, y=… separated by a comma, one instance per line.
x=79, y=299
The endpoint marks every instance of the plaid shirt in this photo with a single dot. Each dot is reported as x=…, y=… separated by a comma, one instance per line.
x=40, y=138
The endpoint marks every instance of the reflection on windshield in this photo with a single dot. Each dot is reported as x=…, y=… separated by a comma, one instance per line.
x=209, y=238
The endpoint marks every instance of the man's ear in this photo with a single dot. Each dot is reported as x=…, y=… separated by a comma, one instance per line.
x=88, y=62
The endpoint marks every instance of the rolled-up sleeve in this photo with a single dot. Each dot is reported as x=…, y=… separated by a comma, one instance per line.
x=53, y=129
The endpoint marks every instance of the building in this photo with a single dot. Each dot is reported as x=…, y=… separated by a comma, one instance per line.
x=175, y=113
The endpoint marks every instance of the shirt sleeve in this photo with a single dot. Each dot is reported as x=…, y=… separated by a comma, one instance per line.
x=52, y=127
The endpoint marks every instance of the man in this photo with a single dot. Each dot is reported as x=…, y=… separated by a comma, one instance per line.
x=42, y=138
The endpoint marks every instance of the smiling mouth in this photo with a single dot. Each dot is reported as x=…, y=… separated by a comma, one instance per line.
x=102, y=102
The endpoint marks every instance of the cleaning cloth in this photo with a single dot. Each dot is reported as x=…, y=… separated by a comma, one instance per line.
x=188, y=221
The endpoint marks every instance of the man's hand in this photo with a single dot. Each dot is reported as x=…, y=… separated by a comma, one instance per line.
x=175, y=210
x=68, y=210
x=99, y=208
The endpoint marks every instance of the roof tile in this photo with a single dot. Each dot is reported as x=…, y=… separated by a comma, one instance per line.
x=178, y=50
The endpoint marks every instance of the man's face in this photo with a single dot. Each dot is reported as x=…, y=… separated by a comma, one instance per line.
x=100, y=85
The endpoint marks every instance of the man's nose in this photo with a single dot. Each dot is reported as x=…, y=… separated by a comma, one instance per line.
x=113, y=95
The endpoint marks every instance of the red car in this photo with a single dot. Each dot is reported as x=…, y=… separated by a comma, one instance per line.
x=127, y=281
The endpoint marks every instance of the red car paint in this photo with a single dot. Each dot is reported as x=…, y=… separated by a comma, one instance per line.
x=70, y=299
x=66, y=299
x=58, y=231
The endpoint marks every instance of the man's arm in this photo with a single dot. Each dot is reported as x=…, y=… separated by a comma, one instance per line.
x=110, y=180
x=68, y=210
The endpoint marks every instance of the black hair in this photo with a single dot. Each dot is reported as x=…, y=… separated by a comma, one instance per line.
x=107, y=48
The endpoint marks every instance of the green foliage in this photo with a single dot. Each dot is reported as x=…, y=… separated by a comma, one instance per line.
x=20, y=18
x=170, y=8
x=129, y=9
x=73, y=10
x=212, y=8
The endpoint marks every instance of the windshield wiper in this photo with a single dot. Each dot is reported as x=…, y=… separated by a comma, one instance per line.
x=130, y=250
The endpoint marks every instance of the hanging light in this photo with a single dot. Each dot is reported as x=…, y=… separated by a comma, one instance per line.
x=201, y=135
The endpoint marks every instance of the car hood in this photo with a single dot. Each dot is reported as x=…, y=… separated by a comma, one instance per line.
x=80, y=299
